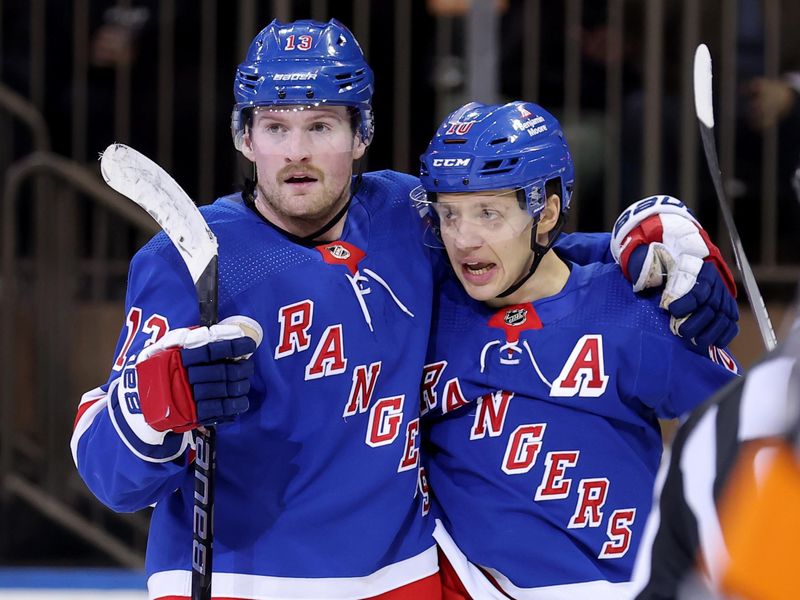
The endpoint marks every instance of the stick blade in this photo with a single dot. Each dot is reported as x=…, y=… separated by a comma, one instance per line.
x=134, y=175
x=703, y=98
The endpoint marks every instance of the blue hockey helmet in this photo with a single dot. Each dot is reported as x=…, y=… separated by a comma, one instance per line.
x=481, y=147
x=304, y=63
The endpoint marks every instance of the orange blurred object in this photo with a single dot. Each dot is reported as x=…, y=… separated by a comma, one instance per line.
x=761, y=524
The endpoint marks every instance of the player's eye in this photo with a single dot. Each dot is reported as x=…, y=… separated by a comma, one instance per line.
x=320, y=127
x=445, y=213
x=273, y=128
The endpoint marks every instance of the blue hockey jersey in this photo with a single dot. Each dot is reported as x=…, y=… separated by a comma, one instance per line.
x=317, y=484
x=542, y=435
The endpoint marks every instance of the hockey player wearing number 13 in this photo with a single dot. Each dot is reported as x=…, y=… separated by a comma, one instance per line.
x=319, y=493
x=545, y=379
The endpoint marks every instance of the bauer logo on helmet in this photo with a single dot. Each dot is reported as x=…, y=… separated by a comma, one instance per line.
x=294, y=76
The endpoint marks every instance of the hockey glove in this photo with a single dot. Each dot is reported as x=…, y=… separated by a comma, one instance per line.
x=197, y=376
x=657, y=241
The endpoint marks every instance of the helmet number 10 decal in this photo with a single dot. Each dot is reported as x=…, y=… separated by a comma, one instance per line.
x=303, y=42
x=460, y=127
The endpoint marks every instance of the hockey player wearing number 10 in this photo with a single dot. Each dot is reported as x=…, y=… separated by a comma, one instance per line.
x=319, y=493
x=545, y=379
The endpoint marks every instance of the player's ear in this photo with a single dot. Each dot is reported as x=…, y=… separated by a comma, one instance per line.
x=549, y=215
x=359, y=147
x=247, y=146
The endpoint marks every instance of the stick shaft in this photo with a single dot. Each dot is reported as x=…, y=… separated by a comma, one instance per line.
x=748, y=279
x=205, y=464
x=134, y=175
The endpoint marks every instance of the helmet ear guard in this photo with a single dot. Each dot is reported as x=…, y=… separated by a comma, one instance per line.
x=366, y=125
x=239, y=119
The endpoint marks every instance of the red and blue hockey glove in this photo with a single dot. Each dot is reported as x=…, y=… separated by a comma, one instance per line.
x=707, y=314
x=195, y=377
x=188, y=378
x=657, y=241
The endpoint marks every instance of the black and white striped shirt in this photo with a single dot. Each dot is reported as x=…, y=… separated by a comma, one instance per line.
x=683, y=531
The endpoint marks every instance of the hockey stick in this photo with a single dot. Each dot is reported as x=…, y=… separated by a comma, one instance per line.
x=704, y=108
x=148, y=185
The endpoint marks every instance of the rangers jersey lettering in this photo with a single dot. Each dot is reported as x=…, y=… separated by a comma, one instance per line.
x=542, y=428
x=318, y=485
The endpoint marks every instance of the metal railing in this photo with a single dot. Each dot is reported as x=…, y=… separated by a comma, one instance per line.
x=34, y=461
x=172, y=99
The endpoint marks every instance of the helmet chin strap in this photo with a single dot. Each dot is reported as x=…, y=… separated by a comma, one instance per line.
x=312, y=238
x=355, y=185
x=538, y=253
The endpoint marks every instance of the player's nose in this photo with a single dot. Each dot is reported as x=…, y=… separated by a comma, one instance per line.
x=297, y=147
x=467, y=235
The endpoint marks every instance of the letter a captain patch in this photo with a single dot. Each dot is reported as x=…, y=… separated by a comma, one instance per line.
x=583, y=373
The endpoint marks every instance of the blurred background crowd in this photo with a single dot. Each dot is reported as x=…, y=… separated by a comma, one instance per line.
x=78, y=75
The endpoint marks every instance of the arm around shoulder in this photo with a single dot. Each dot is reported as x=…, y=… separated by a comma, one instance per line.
x=658, y=242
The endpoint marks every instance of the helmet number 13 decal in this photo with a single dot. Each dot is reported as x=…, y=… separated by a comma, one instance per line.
x=303, y=42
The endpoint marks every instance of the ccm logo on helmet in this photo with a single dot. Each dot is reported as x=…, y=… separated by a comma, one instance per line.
x=451, y=162
x=293, y=76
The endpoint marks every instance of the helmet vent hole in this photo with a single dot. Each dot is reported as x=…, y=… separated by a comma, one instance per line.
x=455, y=141
x=341, y=40
x=498, y=141
x=496, y=167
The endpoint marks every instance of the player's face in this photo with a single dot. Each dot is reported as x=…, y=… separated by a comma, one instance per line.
x=487, y=237
x=304, y=160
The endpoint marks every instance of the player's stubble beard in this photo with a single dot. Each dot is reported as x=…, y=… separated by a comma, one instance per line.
x=291, y=214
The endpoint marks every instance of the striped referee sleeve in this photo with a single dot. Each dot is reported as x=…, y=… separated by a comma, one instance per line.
x=683, y=544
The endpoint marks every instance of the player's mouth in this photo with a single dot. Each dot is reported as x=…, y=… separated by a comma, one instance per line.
x=300, y=179
x=478, y=272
